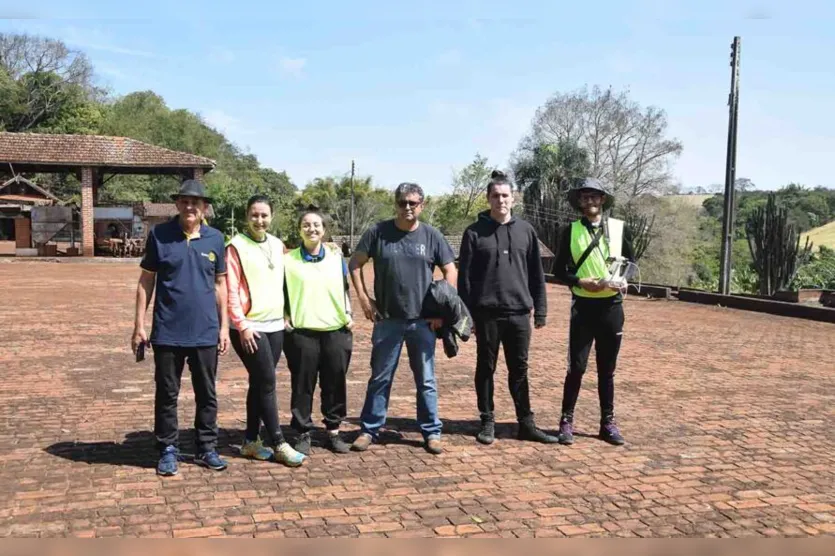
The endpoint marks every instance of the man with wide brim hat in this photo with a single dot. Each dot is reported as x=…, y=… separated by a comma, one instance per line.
x=585, y=252
x=590, y=185
x=192, y=188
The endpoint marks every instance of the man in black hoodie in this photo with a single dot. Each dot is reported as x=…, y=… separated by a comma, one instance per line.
x=500, y=279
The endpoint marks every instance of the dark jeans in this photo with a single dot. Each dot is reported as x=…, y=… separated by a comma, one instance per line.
x=202, y=363
x=513, y=332
x=261, y=405
x=322, y=356
x=598, y=321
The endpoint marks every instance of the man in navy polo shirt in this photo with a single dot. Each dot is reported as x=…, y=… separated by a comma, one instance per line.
x=184, y=260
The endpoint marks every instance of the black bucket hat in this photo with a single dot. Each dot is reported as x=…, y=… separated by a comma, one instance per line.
x=590, y=184
x=192, y=188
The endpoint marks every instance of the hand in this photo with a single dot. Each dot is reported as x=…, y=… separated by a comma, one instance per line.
x=539, y=322
x=435, y=324
x=369, y=308
x=139, y=337
x=350, y=325
x=618, y=286
x=591, y=284
x=223, y=342
x=248, y=340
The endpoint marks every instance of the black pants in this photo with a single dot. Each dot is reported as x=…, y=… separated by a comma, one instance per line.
x=324, y=356
x=514, y=334
x=261, y=405
x=598, y=321
x=202, y=363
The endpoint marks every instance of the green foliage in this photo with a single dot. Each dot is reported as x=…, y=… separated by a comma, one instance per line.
x=544, y=172
x=807, y=208
x=46, y=87
x=818, y=272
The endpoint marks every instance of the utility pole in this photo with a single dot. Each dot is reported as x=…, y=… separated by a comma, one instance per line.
x=351, y=244
x=725, y=263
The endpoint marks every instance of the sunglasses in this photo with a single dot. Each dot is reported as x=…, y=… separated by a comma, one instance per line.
x=409, y=204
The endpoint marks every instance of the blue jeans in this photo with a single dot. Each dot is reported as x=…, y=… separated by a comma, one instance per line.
x=387, y=343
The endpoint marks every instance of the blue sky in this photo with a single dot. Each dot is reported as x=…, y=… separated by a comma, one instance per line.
x=412, y=93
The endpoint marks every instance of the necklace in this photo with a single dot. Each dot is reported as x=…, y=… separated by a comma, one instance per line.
x=266, y=252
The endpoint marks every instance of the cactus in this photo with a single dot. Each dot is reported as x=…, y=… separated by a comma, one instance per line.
x=640, y=228
x=775, y=247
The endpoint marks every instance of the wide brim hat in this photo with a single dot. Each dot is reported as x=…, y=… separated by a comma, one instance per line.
x=590, y=184
x=192, y=188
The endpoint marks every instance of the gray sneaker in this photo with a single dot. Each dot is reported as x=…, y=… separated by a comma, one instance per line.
x=362, y=442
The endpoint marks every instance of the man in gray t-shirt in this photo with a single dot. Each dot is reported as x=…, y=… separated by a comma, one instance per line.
x=405, y=253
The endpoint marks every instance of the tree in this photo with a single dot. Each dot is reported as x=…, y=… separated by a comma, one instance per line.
x=625, y=143
x=775, y=247
x=457, y=210
x=544, y=173
x=46, y=86
x=333, y=197
x=469, y=186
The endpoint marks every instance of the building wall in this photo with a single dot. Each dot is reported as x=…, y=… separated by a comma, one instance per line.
x=23, y=232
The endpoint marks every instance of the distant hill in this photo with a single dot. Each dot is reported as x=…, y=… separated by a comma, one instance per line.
x=822, y=235
x=692, y=200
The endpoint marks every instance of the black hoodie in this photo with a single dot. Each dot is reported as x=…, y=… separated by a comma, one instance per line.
x=500, y=269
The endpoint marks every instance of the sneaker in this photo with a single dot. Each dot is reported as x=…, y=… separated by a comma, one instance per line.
x=529, y=431
x=362, y=442
x=566, y=431
x=167, y=465
x=609, y=432
x=487, y=434
x=211, y=460
x=288, y=456
x=256, y=450
x=303, y=443
x=433, y=445
x=337, y=444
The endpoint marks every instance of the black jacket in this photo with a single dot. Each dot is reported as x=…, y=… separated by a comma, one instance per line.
x=500, y=269
x=443, y=302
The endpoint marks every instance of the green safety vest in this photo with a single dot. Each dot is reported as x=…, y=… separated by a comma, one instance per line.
x=595, y=264
x=316, y=291
x=265, y=284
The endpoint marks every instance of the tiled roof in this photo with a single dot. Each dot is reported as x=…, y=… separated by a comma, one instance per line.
x=92, y=150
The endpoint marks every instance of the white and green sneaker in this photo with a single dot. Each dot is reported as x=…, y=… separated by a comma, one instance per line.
x=256, y=450
x=288, y=456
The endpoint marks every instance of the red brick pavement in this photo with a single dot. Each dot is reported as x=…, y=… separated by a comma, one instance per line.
x=728, y=417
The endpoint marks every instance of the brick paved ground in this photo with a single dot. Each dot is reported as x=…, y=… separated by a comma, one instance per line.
x=729, y=418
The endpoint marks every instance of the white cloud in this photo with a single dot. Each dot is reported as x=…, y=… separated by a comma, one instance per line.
x=292, y=66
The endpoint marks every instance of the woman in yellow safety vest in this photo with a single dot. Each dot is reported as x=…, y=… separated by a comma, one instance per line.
x=255, y=261
x=319, y=340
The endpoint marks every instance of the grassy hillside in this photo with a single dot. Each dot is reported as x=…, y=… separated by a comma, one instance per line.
x=822, y=235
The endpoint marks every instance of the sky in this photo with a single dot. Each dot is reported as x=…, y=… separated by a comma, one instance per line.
x=412, y=92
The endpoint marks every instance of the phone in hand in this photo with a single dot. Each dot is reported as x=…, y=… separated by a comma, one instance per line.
x=140, y=352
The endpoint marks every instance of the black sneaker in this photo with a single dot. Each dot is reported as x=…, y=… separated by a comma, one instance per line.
x=529, y=431
x=566, y=431
x=338, y=445
x=487, y=434
x=303, y=444
x=211, y=460
x=609, y=432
